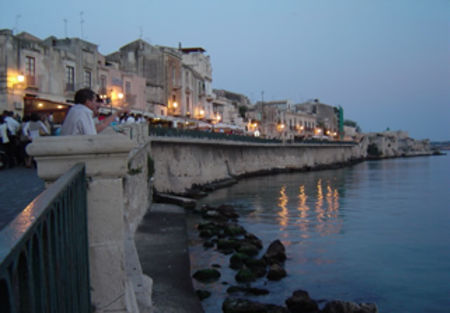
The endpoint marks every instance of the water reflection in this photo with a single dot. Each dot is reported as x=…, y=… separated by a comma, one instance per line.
x=303, y=209
x=282, y=203
x=323, y=219
x=319, y=203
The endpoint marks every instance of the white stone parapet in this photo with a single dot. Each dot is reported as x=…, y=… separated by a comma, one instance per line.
x=117, y=281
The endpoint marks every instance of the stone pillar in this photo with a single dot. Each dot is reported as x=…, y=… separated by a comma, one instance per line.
x=106, y=160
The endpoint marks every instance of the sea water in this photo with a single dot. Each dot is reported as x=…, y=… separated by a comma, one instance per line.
x=377, y=232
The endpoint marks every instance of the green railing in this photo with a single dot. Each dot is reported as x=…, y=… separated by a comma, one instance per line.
x=44, y=251
x=176, y=132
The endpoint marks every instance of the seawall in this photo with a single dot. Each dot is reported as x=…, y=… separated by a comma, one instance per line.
x=181, y=164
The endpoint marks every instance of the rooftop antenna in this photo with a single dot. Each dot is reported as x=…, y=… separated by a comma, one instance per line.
x=16, y=28
x=81, y=24
x=141, y=32
x=65, y=27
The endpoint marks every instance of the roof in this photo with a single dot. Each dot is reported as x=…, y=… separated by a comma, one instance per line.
x=195, y=49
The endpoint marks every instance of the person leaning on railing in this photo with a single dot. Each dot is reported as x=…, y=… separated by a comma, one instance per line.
x=80, y=119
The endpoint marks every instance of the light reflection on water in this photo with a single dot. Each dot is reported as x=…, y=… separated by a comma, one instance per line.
x=376, y=232
x=283, y=213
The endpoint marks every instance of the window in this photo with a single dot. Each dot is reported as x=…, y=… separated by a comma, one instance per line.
x=70, y=78
x=128, y=88
x=103, y=82
x=30, y=70
x=87, y=79
x=173, y=76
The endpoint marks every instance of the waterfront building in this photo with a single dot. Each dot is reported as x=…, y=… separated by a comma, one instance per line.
x=326, y=115
x=161, y=69
x=229, y=105
x=197, y=84
x=299, y=125
x=42, y=76
x=279, y=119
x=120, y=89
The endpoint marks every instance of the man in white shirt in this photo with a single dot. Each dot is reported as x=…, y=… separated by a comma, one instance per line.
x=80, y=119
x=13, y=125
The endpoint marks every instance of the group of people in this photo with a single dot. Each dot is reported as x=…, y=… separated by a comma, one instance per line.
x=83, y=118
x=17, y=133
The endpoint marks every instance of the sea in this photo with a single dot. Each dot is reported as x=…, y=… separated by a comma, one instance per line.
x=378, y=232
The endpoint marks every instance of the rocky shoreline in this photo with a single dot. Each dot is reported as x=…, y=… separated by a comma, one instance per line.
x=221, y=231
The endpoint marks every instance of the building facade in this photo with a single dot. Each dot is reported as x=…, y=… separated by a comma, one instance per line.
x=42, y=76
x=198, y=81
x=326, y=115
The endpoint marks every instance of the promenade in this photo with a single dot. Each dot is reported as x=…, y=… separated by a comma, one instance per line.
x=18, y=187
x=161, y=241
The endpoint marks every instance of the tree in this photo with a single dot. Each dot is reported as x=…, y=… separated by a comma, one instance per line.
x=351, y=123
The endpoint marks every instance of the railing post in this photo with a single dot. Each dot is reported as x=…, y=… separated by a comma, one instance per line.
x=105, y=157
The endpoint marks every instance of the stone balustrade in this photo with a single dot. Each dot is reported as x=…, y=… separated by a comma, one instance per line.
x=114, y=210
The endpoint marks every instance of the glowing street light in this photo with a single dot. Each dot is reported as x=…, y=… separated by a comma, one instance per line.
x=20, y=78
x=120, y=95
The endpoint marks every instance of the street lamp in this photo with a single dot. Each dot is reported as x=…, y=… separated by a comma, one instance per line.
x=20, y=78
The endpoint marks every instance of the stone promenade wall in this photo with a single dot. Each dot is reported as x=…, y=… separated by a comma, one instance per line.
x=182, y=163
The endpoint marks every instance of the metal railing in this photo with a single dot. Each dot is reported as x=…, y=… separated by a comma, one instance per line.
x=44, y=263
x=176, y=132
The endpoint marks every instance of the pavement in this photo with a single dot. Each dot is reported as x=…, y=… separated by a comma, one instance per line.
x=162, y=244
x=18, y=187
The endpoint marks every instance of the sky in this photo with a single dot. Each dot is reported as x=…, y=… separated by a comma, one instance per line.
x=386, y=62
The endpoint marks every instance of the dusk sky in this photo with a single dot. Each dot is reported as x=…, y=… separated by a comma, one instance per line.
x=386, y=62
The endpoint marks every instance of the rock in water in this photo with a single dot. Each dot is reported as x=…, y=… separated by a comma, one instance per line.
x=276, y=272
x=248, y=249
x=245, y=275
x=232, y=305
x=248, y=290
x=276, y=253
x=300, y=302
x=227, y=211
x=237, y=260
x=207, y=275
x=257, y=266
x=203, y=294
x=349, y=307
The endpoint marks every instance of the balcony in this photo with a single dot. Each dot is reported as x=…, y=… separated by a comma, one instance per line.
x=31, y=82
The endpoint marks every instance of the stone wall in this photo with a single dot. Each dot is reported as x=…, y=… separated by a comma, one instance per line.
x=182, y=163
x=397, y=144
